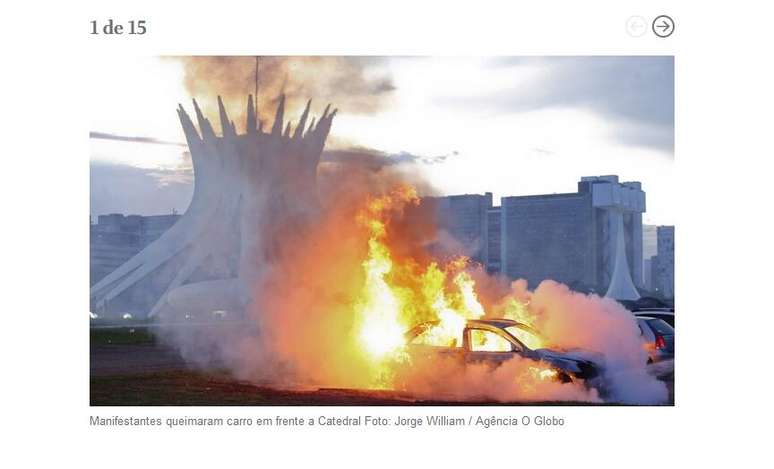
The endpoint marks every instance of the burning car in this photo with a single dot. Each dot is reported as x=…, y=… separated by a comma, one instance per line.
x=495, y=341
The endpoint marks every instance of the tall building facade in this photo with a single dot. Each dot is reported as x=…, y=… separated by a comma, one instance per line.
x=464, y=219
x=591, y=240
x=115, y=238
x=647, y=273
x=663, y=264
x=549, y=237
x=649, y=250
x=494, y=240
x=649, y=241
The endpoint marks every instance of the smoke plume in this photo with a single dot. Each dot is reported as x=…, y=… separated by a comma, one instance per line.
x=303, y=324
x=336, y=262
x=358, y=85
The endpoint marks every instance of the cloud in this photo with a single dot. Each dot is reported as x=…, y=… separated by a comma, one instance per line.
x=119, y=188
x=124, y=188
x=359, y=155
x=124, y=138
x=375, y=159
x=636, y=94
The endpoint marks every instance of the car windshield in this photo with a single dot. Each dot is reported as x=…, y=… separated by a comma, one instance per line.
x=526, y=337
x=661, y=327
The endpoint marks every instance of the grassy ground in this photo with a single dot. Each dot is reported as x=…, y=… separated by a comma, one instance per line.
x=194, y=388
x=129, y=368
x=191, y=388
x=122, y=335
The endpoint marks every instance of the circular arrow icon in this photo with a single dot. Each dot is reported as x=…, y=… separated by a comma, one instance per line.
x=636, y=26
x=663, y=26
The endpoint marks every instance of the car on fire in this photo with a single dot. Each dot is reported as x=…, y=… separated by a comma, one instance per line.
x=495, y=341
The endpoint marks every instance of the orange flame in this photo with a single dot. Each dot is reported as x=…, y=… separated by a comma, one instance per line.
x=353, y=332
x=396, y=297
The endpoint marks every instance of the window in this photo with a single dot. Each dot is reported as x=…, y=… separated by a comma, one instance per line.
x=487, y=341
x=661, y=327
x=526, y=337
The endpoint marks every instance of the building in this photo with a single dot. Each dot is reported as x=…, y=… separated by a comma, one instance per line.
x=202, y=263
x=494, y=240
x=649, y=241
x=647, y=273
x=115, y=238
x=549, y=237
x=464, y=218
x=590, y=240
x=649, y=250
x=572, y=238
x=663, y=264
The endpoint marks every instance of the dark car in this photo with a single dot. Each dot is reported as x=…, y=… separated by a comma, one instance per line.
x=659, y=338
x=495, y=341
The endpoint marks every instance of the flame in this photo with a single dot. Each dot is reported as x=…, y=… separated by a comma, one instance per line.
x=379, y=305
x=396, y=297
x=546, y=373
x=369, y=282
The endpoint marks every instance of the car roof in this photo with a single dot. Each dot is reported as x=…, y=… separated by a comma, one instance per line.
x=497, y=322
x=500, y=323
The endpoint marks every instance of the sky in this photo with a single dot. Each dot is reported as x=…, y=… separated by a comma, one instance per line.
x=506, y=125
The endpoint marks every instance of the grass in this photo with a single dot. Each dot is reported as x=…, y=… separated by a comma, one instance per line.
x=121, y=336
x=192, y=388
x=184, y=387
x=168, y=388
